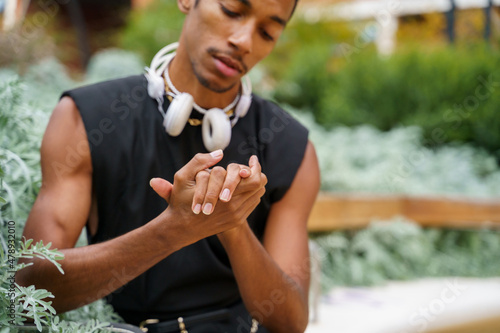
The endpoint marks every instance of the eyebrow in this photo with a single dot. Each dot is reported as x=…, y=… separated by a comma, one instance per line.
x=275, y=18
x=246, y=3
x=278, y=20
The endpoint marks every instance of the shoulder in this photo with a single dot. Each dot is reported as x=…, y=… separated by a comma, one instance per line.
x=131, y=88
x=120, y=83
x=113, y=100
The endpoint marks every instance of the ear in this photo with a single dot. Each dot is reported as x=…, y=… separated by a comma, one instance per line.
x=184, y=5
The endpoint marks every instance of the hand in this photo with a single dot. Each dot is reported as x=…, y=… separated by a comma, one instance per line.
x=245, y=185
x=182, y=193
x=215, y=184
x=218, y=183
x=250, y=189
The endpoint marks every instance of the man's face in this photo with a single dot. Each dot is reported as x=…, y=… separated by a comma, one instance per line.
x=224, y=39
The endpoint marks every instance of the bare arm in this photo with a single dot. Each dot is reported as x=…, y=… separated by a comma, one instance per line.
x=274, y=278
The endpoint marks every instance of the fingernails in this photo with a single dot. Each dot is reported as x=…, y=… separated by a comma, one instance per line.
x=207, y=209
x=197, y=209
x=153, y=180
x=244, y=172
x=225, y=195
x=217, y=153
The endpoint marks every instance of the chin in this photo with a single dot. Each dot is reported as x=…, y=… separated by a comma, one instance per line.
x=217, y=85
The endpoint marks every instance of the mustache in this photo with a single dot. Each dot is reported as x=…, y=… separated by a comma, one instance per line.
x=236, y=57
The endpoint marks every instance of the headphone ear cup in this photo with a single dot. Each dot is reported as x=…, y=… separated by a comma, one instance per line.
x=216, y=130
x=178, y=114
x=156, y=86
x=243, y=106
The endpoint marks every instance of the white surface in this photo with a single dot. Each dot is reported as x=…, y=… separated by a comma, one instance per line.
x=367, y=9
x=408, y=307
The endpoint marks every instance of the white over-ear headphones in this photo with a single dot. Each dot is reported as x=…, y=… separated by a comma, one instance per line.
x=216, y=124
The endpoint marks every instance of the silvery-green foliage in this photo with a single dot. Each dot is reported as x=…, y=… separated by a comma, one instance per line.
x=399, y=249
x=46, y=81
x=35, y=304
x=25, y=107
x=29, y=303
x=7, y=74
x=22, y=125
x=364, y=159
x=99, y=311
x=112, y=64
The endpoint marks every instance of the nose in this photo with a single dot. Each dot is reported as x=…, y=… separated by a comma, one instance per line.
x=241, y=38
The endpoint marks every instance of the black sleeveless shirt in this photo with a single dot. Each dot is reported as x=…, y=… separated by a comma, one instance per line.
x=129, y=146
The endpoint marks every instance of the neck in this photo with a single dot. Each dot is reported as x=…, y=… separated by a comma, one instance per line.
x=183, y=78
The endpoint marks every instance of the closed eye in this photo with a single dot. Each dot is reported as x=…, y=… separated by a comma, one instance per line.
x=266, y=36
x=229, y=13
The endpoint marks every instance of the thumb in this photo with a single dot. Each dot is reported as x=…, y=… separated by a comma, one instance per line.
x=162, y=187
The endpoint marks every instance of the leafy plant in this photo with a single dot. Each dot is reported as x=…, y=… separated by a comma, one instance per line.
x=399, y=249
x=451, y=93
x=24, y=110
x=152, y=28
x=365, y=159
x=22, y=127
x=23, y=304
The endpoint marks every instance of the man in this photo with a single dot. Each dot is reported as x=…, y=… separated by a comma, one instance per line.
x=221, y=243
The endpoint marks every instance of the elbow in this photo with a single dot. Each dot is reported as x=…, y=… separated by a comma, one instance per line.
x=295, y=325
x=292, y=323
x=299, y=318
x=301, y=323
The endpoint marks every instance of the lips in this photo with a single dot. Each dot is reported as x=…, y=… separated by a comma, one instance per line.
x=230, y=63
x=228, y=66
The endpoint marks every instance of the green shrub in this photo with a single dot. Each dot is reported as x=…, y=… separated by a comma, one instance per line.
x=442, y=91
x=401, y=250
x=152, y=28
x=365, y=159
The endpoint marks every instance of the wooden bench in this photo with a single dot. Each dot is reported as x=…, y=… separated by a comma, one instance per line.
x=354, y=211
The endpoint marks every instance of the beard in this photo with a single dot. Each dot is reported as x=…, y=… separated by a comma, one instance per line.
x=209, y=84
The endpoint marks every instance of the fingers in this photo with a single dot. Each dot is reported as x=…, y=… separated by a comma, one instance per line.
x=256, y=180
x=162, y=187
x=198, y=163
x=220, y=184
x=214, y=186
x=254, y=164
x=235, y=172
x=201, y=186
